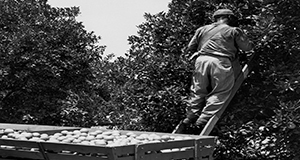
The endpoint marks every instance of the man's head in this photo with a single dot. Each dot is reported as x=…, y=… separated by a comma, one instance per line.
x=225, y=15
x=222, y=12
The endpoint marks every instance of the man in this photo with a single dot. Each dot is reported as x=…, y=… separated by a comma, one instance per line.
x=215, y=47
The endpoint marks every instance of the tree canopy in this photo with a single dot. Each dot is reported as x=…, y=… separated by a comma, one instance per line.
x=47, y=63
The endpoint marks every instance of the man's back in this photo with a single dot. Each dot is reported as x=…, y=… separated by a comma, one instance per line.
x=225, y=42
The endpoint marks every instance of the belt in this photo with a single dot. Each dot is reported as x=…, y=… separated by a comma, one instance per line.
x=197, y=54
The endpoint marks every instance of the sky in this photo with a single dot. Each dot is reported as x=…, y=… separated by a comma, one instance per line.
x=113, y=20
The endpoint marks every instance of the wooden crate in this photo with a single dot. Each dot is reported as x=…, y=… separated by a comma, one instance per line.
x=196, y=148
x=23, y=148
x=20, y=149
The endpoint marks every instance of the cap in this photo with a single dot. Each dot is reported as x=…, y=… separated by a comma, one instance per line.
x=223, y=12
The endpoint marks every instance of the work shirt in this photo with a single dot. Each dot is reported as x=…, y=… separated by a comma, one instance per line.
x=224, y=43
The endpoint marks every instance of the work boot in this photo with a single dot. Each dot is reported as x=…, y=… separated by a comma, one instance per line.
x=187, y=121
x=200, y=124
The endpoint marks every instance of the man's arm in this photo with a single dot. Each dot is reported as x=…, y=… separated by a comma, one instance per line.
x=194, y=42
x=243, y=41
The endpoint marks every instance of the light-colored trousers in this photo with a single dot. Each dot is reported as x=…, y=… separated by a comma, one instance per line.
x=212, y=83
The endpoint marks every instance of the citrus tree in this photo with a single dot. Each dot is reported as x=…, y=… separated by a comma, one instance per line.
x=47, y=66
x=261, y=121
x=264, y=113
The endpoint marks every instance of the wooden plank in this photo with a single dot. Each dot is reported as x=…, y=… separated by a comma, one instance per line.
x=35, y=128
x=53, y=156
x=167, y=145
x=158, y=150
x=169, y=156
x=19, y=143
x=57, y=147
x=78, y=148
x=21, y=154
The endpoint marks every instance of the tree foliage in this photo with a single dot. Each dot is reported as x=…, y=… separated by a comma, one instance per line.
x=47, y=65
x=264, y=112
